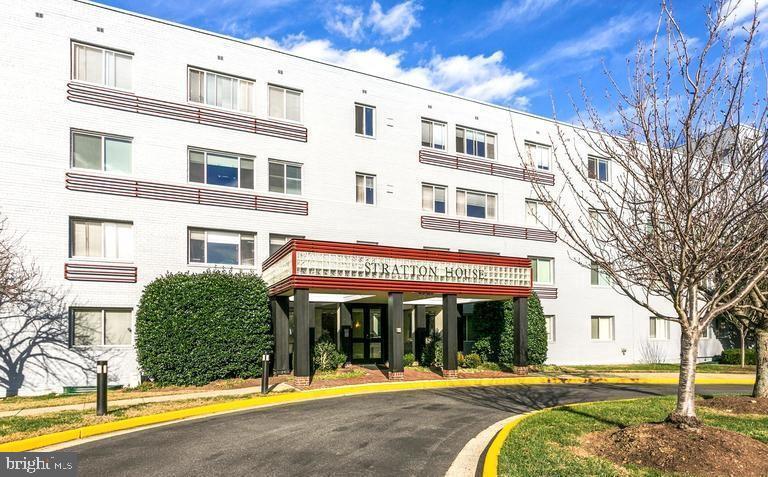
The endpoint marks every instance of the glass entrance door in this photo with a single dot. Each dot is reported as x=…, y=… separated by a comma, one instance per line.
x=368, y=333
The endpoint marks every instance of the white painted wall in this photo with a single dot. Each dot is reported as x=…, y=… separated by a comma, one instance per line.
x=34, y=153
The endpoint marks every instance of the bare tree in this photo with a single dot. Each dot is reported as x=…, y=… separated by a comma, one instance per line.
x=669, y=198
x=753, y=311
x=743, y=322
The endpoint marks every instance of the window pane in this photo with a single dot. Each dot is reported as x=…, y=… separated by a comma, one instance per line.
x=124, y=241
x=224, y=92
x=117, y=155
x=595, y=275
x=79, y=62
x=603, y=164
x=222, y=170
x=196, y=90
x=110, y=240
x=359, y=189
x=369, y=190
x=276, y=177
x=293, y=105
x=438, y=136
x=491, y=206
x=87, y=151
x=480, y=139
x=117, y=327
x=87, y=327
x=196, y=166
x=293, y=179
x=358, y=119
x=276, y=102
x=427, y=197
x=87, y=239
x=544, y=271
x=652, y=331
x=440, y=200
x=210, y=88
x=459, y=140
x=223, y=248
x=122, y=71
x=475, y=205
x=491, y=146
x=196, y=246
x=591, y=168
x=461, y=198
x=426, y=134
x=247, y=250
x=246, y=173
x=605, y=329
x=369, y=121
x=245, y=96
x=94, y=65
x=595, y=328
x=470, y=142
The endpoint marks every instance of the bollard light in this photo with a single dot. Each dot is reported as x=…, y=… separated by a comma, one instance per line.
x=265, y=373
x=101, y=388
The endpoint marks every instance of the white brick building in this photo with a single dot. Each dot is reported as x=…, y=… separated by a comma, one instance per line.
x=105, y=126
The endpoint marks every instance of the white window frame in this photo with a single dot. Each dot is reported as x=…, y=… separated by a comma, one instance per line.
x=205, y=262
x=608, y=169
x=239, y=157
x=102, y=344
x=537, y=260
x=708, y=333
x=103, y=257
x=537, y=222
x=104, y=64
x=434, y=187
x=463, y=213
x=594, y=268
x=103, y=137
x=475, y=132
x=611, y=328
x=551, y=327
x=664, y=326
x=375, y=187
x=285, y=90
x=283, y=236
x=432, y=124
x=285, y=165
x=251, y=106
x=530, y=145
x=373, y=115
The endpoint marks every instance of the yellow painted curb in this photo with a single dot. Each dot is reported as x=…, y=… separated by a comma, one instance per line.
x=352, y=390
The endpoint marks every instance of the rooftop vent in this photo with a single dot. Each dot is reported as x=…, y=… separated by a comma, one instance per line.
x=220, y=57
x=38, y=15
x=100, y=29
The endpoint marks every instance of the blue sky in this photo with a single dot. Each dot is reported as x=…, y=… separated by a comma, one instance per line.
x=520, y=53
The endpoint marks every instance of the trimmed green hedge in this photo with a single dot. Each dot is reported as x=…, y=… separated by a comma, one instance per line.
x=537, y=333
x=733, y=356
x=192, y=329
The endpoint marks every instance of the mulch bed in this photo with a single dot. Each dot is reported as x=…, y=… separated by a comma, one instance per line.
x=706, y=451
x=737, y=404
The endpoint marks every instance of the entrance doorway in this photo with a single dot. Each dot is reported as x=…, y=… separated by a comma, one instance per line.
x=369, y=344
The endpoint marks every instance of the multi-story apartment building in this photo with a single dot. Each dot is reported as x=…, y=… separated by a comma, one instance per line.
x=134, y=146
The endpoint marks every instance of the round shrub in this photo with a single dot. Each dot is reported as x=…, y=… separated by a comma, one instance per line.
x=733, y=356
x=326, y=357
x=482, y=348
x=192, y=329
x=472, y=360
x=409, y=359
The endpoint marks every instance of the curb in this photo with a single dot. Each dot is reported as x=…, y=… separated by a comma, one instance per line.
x=46, y=440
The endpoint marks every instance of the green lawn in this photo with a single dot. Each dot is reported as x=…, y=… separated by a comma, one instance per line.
x=539, y=445
x=652, y=368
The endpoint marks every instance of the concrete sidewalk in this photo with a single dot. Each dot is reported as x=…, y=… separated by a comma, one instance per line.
x=283, y=387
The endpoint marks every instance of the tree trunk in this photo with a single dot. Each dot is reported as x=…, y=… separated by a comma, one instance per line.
x=684, y=414
x=761, y=374
x=742, y=332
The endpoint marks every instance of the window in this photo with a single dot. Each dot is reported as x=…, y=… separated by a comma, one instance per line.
x=99, y=239
x=708, y=332
x=284, y=103
x=100, y=327
x=550, y=323
x=365, y=186
x=433, y=198
x=475, y=143
x=365, y=120
x=433, y=134
x=220, y=168
x=219, y=90
x=602, y=328
x=475, y=204
x=539, y=155
x=222, y=248
x=599, y=168
x=543, y=270
x=101, y=66
x=598, y=277
x=284, y=177
x=277, y=240
x=537, y=214
x=101, y=152
x=659, y=328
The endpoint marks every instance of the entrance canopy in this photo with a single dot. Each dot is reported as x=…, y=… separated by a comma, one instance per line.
x=347, y=268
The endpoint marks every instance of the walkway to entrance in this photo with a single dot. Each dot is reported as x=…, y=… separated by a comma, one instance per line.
x=375, y=286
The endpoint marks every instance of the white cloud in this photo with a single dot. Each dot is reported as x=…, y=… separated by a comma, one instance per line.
x=481, y=77
x=347, y=21
x=513, y=12
x=397, y=23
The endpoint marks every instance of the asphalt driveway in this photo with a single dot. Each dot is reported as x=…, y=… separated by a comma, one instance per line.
x=390, y=434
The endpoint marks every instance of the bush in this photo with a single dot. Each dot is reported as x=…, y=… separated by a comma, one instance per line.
x=482, y=348
x=326, y=357
x=192, y=329
x=537, y=333
x=438, y=359
x=409, y=359
x=733, y=356
x=472, y=360
x=433, y=350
